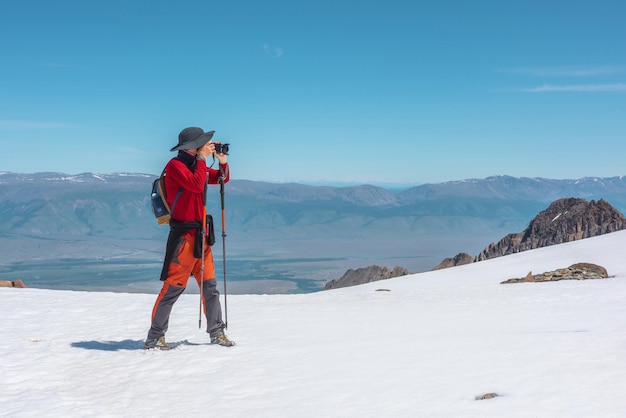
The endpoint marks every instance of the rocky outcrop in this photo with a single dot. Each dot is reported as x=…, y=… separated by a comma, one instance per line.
x=565, y=220
x=369, y=274
x=579, y=271
x=490, y=395
x=12, y=283
x=457, y=260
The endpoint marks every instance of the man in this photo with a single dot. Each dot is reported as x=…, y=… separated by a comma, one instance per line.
x=186, y=177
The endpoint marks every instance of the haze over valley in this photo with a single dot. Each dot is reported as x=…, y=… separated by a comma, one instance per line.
x=97, y=232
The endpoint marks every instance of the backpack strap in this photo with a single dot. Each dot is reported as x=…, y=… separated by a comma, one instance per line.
x=175, y=199
x=164, y=193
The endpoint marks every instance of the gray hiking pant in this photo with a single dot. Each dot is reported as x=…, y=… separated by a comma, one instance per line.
x=170, y=294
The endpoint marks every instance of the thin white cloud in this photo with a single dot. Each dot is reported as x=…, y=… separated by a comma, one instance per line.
x=30, y=124
x=571, y=71
x=272, y=51
x=576, y=88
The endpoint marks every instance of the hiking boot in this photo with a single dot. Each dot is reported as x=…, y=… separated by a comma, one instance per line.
x=156, y=343
x=222, y=339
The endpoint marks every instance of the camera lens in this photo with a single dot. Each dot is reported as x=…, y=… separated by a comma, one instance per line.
x=221, y=148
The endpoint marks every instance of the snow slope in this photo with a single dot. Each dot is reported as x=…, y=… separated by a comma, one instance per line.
x=427, y=347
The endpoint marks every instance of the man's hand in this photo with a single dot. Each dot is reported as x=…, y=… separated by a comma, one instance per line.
x=209, y=149
x=206, y=150
x=220, y=157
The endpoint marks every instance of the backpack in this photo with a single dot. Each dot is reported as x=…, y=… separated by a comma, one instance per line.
x=160, y=208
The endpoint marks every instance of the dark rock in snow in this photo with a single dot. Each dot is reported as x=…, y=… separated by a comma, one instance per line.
x=579, y=271
x=365, y=275
x=565, y=220
x=457, y=260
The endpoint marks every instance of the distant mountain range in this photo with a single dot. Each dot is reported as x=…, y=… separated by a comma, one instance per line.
x=300, y=232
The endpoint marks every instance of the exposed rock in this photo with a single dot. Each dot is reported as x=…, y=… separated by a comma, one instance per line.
x=565, y=220
x=12, y=283
x=457, y=260
x=579, y=271
x=487, y=396
x=365, y=275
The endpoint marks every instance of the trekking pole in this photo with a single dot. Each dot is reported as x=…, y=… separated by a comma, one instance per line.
x=202, y=262
x=224, y=250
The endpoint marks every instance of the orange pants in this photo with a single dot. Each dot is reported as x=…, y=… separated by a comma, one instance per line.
x=183, y=265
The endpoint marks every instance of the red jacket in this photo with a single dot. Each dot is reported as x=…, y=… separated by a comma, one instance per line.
x=190, y=203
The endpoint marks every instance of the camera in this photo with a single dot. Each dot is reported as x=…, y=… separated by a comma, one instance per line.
x=221, y=148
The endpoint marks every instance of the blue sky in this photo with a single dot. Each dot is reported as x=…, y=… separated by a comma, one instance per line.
x=333, y=91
